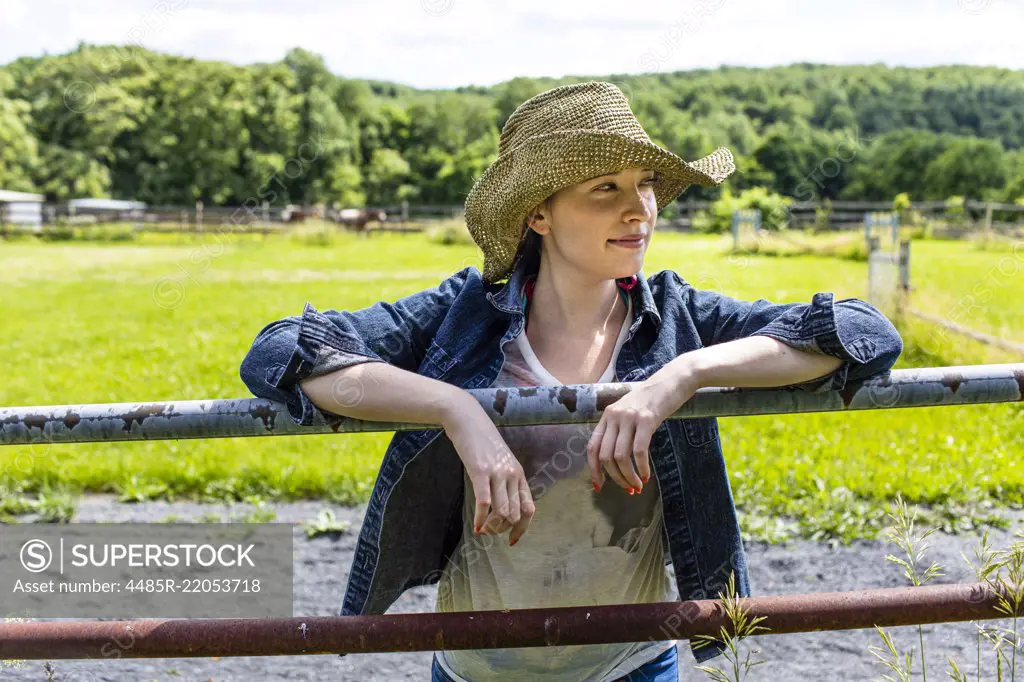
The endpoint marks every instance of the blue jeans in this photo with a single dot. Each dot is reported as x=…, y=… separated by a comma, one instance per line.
x=664, y=668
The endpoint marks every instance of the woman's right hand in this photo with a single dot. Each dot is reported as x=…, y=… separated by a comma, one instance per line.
x=502, y=493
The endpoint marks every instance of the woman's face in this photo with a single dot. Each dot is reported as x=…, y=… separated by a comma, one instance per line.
x=602, y=225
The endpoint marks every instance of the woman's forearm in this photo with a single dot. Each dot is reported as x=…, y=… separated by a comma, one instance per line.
x=753, y=361
x=378, y=391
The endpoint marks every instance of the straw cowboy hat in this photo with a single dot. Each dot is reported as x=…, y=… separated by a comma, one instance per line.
x=561, y=137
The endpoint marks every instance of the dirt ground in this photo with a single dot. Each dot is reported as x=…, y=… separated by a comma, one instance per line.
x=321, y=568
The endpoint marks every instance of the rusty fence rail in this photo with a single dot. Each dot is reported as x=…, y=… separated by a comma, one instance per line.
x=184, y=638
x=575, y=403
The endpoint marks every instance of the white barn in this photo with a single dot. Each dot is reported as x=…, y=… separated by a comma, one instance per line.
x=21, y=208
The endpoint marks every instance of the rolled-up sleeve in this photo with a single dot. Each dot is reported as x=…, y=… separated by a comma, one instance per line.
x=295, y=348
x=849, y=329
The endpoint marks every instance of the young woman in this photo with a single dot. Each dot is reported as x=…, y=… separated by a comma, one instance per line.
x=559, y=515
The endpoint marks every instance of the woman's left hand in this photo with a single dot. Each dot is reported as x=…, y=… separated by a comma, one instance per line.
x=624, y=432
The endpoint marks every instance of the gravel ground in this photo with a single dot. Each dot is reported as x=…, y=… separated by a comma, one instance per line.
x=321, y=568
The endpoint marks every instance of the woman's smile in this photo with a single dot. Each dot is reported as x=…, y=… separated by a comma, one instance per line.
x=632, y=242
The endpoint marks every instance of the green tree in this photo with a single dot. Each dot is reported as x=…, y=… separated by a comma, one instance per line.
x=19, y=155
x=896, y=162
x=132, y=123
x=968, y=167
x=386, y=178
x=1015, y=177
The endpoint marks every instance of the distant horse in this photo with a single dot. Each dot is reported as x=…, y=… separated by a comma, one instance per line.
x=357, y=218
x=294, y=214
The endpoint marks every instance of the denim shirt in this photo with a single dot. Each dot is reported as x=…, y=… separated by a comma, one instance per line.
x=454, y=332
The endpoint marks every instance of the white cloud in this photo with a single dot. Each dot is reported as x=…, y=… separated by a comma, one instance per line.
x=15, y=12
x=445, y=43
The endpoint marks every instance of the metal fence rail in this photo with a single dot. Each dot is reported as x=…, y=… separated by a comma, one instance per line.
x=576, y=403
x=579, y=403
x=784, y=614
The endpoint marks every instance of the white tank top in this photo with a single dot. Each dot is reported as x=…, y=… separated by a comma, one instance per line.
x=582, y=548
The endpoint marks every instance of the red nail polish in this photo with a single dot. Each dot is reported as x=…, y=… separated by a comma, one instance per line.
x=596, y=488
x=647, y=478
x=513, y=543
x=632, y=491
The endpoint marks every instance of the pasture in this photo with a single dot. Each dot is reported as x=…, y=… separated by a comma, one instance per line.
x=170, y=318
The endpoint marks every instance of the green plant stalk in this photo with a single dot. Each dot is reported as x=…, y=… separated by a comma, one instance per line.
x=1013, y=659
x=902, y=535
x=920, y=639
x=954, y=671
x=741, y=628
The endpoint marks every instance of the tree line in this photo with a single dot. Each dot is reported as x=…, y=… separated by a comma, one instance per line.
x=130, y=123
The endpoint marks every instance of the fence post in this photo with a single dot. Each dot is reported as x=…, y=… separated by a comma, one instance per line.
x=873, y=248
x=741, y=217
x=199, y=216
x=891, y=219
x=903, y=299
x=988, y=220
x=888, y=276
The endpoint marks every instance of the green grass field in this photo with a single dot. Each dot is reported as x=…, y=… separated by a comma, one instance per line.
x=171, y=317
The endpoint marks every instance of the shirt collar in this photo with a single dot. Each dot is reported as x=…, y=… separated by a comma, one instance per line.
x=506, y=298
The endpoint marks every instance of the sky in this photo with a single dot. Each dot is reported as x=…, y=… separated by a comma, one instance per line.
x=450, y=43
